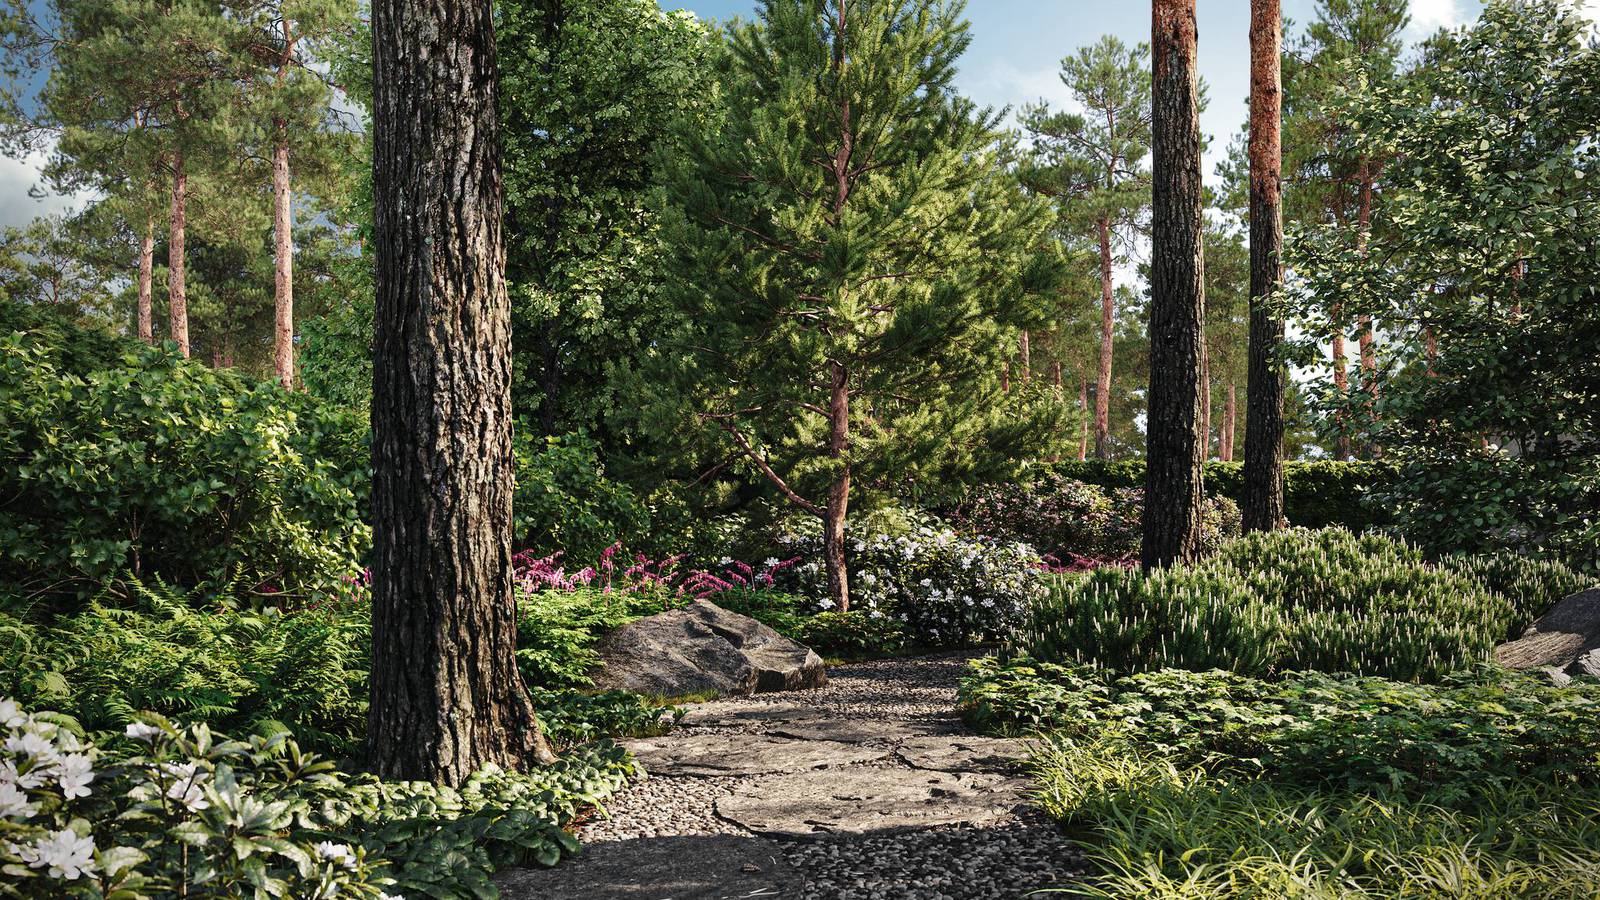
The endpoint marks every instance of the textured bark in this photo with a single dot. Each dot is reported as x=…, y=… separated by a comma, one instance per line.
x=147, y=265
x=283, y=260
x=1102, y=394
x=1230, y=423
x=1262, y=506
x=1083, y=406
x=1173, y=481
x=839, y=493
x=1024, y=356
x=1205, y=396
x=446, y=695
x=177, y=290
x=1341, y=383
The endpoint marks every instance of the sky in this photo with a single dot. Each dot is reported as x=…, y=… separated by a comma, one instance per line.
x=1016, y=50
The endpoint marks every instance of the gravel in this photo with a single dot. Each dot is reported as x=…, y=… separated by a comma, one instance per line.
x=1008, y=859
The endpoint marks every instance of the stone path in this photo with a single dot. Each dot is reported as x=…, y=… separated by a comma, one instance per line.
x=867, y=789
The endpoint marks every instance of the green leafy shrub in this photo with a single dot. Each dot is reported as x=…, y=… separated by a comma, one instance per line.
x=236, y=670
x=1326, y=600
x=1316, y=494
x=162, y=467
x=564, y=502
x=851, y=635
x=1532, y=585
x=164, y=811
x=571, y=717
x=1070, y=519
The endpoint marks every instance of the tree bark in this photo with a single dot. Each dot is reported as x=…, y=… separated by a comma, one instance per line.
x=1230, y=423
x=1174, y=452
x=1205, y=396
x=1102, y=394
x=1024, y=357
x=833, y=548
x=147, y=265
x=446, y=695
x=283, y=259
x=1083, y=406
x=1262, y=508
x=177, y=290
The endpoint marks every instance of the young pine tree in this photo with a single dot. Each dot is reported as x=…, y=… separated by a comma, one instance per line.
x=853, y=256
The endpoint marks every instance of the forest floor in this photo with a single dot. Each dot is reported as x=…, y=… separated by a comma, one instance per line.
x=866, y=789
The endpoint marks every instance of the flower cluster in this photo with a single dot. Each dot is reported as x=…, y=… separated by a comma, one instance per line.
x=180, y=810
x=945, y=589
x=643, y=575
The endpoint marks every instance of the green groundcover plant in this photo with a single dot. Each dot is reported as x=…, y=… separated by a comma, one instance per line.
x=1186, y=784
x=1327, y=600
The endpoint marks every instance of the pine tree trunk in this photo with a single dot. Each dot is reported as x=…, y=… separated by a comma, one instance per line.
x=147, y=265
x=446, y=695
x=1083, y=430
x=1230, y=419
x=177, y=290
x=1102, y=395
x=1262, y=506
x=1174, y=455
x=1341, y=384
x=283, y=260
x=1205, y=398
x=833, y=548
x=1024, y=356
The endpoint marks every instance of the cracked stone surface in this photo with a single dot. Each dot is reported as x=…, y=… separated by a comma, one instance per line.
x=866, y=800
x=742, y=754
x=869, y=788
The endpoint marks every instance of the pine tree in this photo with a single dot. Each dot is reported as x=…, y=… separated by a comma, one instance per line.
x=853, y=257
x=1175, y=452
x=1093, y=163
x=447, y=698
x=1263, y=467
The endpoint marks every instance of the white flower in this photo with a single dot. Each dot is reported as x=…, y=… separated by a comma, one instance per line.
x=383, y=896
x=188, y=785
x=725, y=561
x=337, y=853
x=825, y=603
x=31, y=744
x=74, y=773
x=14, y=803
x=10, y=774
x=64, y=853
x=11, y=714
x=926, y=582
x=139, y=731
x=769, y=562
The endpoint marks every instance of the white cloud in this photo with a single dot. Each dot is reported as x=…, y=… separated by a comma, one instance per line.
x=1000, y=84
x=1428, y=16
x=19, y=179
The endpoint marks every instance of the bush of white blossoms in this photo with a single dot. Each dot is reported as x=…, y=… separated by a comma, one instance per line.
x=168, y=811
x=945, y=589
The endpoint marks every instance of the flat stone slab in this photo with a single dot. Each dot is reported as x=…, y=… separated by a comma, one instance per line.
x=714, y=754
x=694, y=867
x=1564, y=642
x=869, y=800
x=964, y=753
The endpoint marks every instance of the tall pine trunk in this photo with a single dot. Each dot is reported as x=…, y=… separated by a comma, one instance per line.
x=1205, y=396
x=1083, y=407
x=147, y=265
x=283, y=259
x=1263, y=440
x=177, y=289
x=1024, y=356
x=1230, y=423
x=1174, y=454
x=1102, y=394
x=833, y=549
x=446, y=695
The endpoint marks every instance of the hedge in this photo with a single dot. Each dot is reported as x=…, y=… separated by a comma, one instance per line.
x=1317, y=494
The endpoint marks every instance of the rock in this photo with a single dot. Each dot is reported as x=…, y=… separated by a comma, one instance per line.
x=717, y=754
x=1565, y=642
x=704, y=649
x=964, y=753
x=868, y=800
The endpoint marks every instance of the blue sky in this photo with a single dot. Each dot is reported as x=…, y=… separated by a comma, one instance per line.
x=1017, y=45
x=1016, y=48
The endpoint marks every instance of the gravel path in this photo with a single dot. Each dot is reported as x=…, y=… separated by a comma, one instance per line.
x=905, y=804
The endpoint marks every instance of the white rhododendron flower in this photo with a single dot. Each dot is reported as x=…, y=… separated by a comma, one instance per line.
x=73, y=773
x=337, y=853
x=14, y=802
x=63, y=853
x=11, y=714
x=139, y=731
x=188, y=786
x=31, y=744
